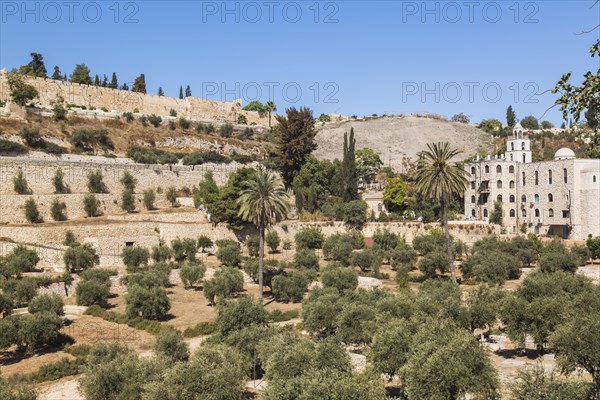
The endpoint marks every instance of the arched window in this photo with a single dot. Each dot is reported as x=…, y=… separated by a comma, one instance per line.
x=550, y=177
x=472, y=184
x=523, y=199
x=512, y=213
x=472, y=170
x=499, y=170
x=523, y=213
x=472, y=212
x=537, y=199
x=487, y=169
x=511, y=198
x=511, y=184
x=522, y=145
x=512, y=146
x=565, y=175
x=551, y=213
x=550, y=198
x=485, y=213
x=537, y=213
x=523, y=175
x=499, y=198
x=536, y=177
x=499, y=184
x=511, y=169
x=594, y=179
x=472, y=199
x=524, y=159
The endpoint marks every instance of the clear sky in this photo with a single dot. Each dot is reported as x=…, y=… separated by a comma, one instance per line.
x=349, y=57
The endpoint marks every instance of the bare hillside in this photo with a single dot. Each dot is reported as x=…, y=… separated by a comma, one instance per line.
x=399, y=139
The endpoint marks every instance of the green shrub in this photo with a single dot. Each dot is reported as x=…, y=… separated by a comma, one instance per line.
x=338, y=247
x=128, y=181
x=60, y=187
x=91, y=206
x=204, y=242
x=184, y=249
x=148, y=303
x=8, y=147
x=92, y=292
x=161, y=253
x=57, y=210
x=96, y=182
x=172, y=113
x=192, y=273
x=252, y=243
x=233, y=315
x=225, y=283
x=354, y=213
x=226, y=130
x=305, y=259
x=290, y=287
x=31, y=212
x=87, y=140
x=134, y=257
x=229, y=253
x=128, y=201
x=280, y=316
x=20, y=183
x=200, y=329
x=183, y=123
x=149, y=198
x=80, y=257
x=432, y=262
x=171, y=196
x=59, y=112
x=170, y=344
x=128, y=116
x=365, y=259
x=273, y=241
x=309, y=237
x=155, y=120
x=340, y=278
x=46, y=303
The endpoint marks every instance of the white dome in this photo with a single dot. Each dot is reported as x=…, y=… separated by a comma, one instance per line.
x=564, y=154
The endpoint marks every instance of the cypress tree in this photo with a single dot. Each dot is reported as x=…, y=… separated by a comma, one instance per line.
x=511, y=118
x=114, y=83
x=188, y=91
x=139, y=85
x=97, y=80
x=105, y=81
x=349, y=177
x=56, y=75
x=181, y=92
x=160, y=91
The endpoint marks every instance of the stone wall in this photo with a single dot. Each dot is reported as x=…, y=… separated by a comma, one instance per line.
x=124, y=101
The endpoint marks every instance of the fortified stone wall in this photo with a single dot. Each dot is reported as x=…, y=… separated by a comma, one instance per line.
x=50, y=91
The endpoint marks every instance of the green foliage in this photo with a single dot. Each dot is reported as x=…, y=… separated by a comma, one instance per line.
x=134, y=257
x=556, y=257
x=305, y=259
x=19, y=260
x=30, y=331
x=340, y=278
x=200, y=329
x=60, y=187
x=171, y=196
x=81, y=74
x=309, y=237
x=252, y=243
x=147, y=302
x=170, y=344
x=462, y=118
x=128, y=181
x=490, y=125
x=395, y=195
x=296, y=137
x=93, y=288
x=91, y=206
x=31, y=211
x=226, y=130
x=511, y=118
x=348, y=189
x=96, y=182
x=491, y=266
x=593, y=244
x=161, y=253
x=87, y=140
x=273, y=241
x=355, y=323
x=57, y=210
x=184, y=249
x=496, y=214
x=338, y=247
x=229, y=253
x=152, y=156
x=354, y=213
x=80, y=257
x=368, y=164
x=291, y=287
x=20, y=291
x=149, y=198
x=192, y=273
x=8, y=147
x=225, y=283
x=21, y=93
x=233, y=315
x=46, y=303
x=391, y=345
x=204, y=242
x=20, y=183
x=484, y=305
x=366, y=259
x=35, y=67
x=315, y=183
x=128, y=200
x=530, y=122
x=433, y=262
x=536, y=383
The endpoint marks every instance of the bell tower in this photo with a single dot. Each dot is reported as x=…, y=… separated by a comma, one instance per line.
x=518, y=146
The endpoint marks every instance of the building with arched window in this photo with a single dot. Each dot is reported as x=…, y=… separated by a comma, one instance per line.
x=557, y=198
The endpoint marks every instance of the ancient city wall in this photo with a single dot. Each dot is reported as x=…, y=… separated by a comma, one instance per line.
x=50, y=91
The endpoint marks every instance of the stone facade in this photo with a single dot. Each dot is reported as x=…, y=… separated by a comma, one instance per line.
x=121, y=101
x=556, y=198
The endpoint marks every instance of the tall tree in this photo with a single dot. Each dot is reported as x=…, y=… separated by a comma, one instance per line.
x=96, y=80
x=511, y=117
x=139, y=84
x=105, y=81
x=296, y=135
x=114, y=83
x=264, y=203
x=181, y=92
x=160, y=92
x=57, y=74
x=438, y=180
x=81, y=74
x=349, y=178
x=125, y=87
x=35, y=67
x=271, y=108
x=188, y=91
x=20, y=92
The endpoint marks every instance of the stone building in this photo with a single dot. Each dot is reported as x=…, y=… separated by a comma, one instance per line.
x=555, y=198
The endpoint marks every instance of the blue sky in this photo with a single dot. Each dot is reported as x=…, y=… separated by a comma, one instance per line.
x=351, y=57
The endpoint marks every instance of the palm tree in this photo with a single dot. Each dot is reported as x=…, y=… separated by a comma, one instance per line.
x=438, y=180
x=270, y=107
x=264, y=202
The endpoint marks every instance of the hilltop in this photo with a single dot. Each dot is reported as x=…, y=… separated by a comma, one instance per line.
x=405, y=136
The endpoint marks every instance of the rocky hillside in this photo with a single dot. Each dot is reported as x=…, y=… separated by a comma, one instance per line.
x=400, y=138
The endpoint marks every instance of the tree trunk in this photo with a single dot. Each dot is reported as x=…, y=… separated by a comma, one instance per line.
x=448, y=240
x=269, y=119
x=261, y=256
